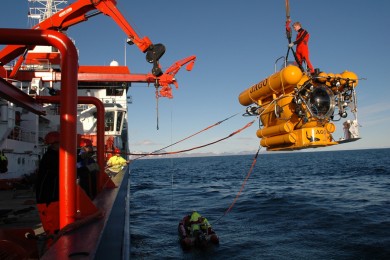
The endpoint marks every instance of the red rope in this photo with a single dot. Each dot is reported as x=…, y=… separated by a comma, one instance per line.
x=197, y=147
x=242, y=186
x=188, y=137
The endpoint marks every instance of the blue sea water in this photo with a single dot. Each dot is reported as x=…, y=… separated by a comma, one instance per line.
x=299, y=205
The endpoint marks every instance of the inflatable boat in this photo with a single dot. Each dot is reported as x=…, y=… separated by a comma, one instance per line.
x=198, y=233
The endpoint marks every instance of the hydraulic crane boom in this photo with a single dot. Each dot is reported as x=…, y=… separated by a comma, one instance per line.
x=79, y=12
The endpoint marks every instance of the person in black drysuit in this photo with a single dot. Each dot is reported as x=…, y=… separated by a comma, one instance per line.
x=87, y=168
x=47, y=186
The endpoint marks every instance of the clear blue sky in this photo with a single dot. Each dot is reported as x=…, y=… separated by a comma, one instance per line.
x=236, y=44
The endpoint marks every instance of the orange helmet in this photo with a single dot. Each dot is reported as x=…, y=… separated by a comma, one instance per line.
x=85, y=142
x=117, y=151
x=52, y=137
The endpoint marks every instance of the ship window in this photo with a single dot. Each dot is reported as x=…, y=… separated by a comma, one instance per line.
x=114, y=91
x=109, y=121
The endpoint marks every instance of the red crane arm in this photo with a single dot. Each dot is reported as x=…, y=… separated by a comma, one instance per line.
x=77, y=13
x=177, y=65
x=168, y=78
x=109, y=8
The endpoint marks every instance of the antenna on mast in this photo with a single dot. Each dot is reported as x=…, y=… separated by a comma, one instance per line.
x=43, y=9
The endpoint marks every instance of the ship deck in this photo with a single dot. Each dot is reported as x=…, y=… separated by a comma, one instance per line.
x=18, y=210
x=107, y=236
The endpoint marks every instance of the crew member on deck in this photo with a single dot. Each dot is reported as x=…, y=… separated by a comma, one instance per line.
x=116, y=163
x=87, y=168
x=3, y=162
x=47, y=186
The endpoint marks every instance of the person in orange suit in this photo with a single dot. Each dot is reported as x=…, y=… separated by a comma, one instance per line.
x=302, y=42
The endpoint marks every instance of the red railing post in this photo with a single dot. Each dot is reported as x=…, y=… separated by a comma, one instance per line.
x=68, y=111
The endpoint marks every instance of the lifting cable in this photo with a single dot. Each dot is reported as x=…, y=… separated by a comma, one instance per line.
x=289, y=35
x=188, y=137
x=242, y=186
x=156, y=85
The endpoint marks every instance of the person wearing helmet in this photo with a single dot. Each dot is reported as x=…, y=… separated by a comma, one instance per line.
x=199, y=227
x=87, y=168
x=198, y=223
x=116, y=163
x=47, y=185
x=302, y=42
x=195, y=221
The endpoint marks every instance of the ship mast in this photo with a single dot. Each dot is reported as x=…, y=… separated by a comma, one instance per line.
x=43, y=9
